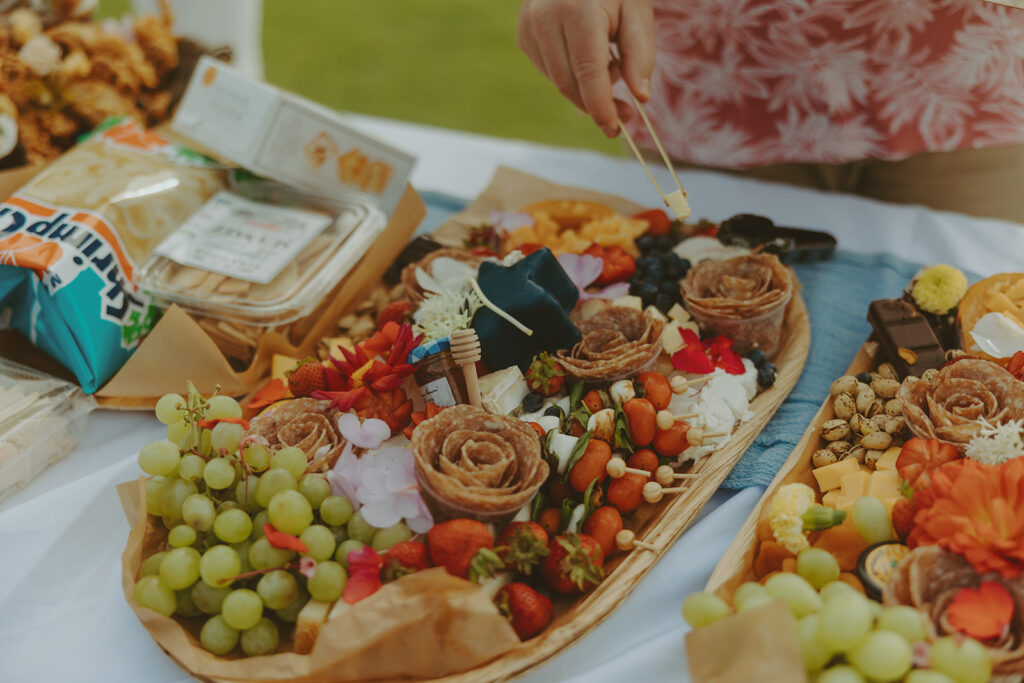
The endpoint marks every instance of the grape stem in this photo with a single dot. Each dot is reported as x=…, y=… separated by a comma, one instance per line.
x=259, y=572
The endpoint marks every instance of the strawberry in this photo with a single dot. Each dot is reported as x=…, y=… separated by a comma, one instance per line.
x=919, y=457
x=522, y=545
x=464, y=548
x=529, y=611
x=902, y=515
x=544, y=375
x=397, y=311
x=306, y=377
x=575, y=563
x=405, y=558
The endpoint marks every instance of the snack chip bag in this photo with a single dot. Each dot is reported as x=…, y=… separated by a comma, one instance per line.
x=72, y=240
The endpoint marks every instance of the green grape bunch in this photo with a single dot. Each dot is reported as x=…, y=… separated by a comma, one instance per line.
x=217, y=491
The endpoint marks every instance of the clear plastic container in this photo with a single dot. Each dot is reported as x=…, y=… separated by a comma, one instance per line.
x=41, y=419
x=227, y=297
x=762, y=331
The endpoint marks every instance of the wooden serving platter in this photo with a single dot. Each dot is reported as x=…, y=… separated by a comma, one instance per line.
x=659, y=524
x=736, y=566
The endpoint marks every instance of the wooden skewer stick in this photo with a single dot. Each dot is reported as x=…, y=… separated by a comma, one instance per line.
x=616, y=468
x=681, y=384
x=665, y=475
x=465, y=348
x=696, y=436
x=653, y=491
x=675, y=200
x=626, y=540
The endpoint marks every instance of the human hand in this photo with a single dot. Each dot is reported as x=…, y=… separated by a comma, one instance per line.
x=569, y=41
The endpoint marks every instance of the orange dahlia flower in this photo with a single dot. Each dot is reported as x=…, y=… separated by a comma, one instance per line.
x=976, y=511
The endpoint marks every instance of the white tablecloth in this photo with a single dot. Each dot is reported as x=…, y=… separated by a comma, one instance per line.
x=62, y=615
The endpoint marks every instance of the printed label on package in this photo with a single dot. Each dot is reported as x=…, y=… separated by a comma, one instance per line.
x=60, y=244
x=243, y=239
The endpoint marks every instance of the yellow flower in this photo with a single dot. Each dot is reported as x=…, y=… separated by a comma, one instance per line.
x=938, y=289
x=792, y=511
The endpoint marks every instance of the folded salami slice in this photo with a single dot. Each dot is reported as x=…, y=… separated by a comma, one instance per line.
x=951, y=404
x=615, y=343
x=304, y=423
x=471, y=463
x=928, y=580
x=743, y=298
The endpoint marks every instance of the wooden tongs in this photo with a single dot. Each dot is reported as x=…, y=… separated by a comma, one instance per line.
x=675, y=200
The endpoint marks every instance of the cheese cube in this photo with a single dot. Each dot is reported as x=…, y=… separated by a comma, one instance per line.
x=1016, y=292
x=855, y=484
x=681, y=315
x=887, y=461
x=1000, y=303
x=830, y=476
x=656, y=314
x=672, y=339
x=885, y=484
x=333, y=345
x=845, y=503
x=280, y=365
x=629, y=302
x=829, y=499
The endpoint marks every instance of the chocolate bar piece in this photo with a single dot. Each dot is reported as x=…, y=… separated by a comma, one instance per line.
x=413, y=252
x=907, y=340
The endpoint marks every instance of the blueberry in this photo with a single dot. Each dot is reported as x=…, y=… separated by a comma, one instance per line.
x=674, y=271
x=758, y=358
x=668, y=286
x=645, y=290
x=554, y=411
x=645, y=243
x=656, y=273
x=532, y=402
x=664, y=301
x=673, y=257
x=864, y=377
x=641, y=268
x=766, y=376
x=685, y=263
x=649, y=261
x=664, y=242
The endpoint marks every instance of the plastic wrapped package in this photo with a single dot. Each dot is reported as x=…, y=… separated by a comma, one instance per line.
x=73, y=238
x=41, y=419
x=261, y=259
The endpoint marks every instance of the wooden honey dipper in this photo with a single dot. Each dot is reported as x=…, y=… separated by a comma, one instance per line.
x=465, y=348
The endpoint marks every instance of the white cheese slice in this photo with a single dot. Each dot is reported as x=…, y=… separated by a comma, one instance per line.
x=501, y=392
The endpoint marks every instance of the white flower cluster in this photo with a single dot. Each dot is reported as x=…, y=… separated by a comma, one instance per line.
x=995, y=444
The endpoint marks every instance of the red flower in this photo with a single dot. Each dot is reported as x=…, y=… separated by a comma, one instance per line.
x=984, y=613
x=283, y=540
x=364, y=567
x=359, y=380
x=697, y=357
x=976, y=511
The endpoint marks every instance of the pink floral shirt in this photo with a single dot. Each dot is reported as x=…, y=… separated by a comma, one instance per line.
x=742, y=83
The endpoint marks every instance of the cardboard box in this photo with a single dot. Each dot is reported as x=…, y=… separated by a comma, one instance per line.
x=286, y=137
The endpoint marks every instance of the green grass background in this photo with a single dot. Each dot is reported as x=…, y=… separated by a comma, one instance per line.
x=449, y=63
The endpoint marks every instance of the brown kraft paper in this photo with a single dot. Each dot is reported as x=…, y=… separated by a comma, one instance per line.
x=424, y=625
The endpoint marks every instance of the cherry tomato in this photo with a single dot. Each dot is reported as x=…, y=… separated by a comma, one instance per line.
x=551, y=520
x=591, y=465
x=658, y=222
x=603, y=523
x=657, y=389
x=640, y=416
x=672, y=441
x=593, y=400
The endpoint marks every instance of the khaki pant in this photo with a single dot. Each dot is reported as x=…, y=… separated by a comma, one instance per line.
x=981, y=182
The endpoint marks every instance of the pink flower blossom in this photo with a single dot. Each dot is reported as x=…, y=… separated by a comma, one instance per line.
x=583, y=270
